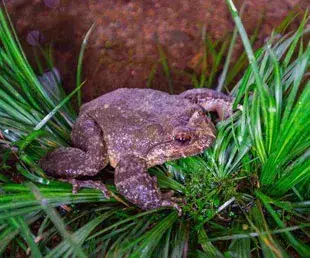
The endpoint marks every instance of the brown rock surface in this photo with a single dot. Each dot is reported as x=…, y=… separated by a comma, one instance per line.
x=123, y=48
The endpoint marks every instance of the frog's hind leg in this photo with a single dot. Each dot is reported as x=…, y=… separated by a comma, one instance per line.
x=211, y=100
x=86, y=158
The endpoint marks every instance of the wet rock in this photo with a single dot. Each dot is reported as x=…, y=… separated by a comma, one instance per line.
x=123, y=49
x=52, y=3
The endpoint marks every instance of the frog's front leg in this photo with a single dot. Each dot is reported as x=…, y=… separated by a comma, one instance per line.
x=86, y=158
x=211, y=100
x=138, y=187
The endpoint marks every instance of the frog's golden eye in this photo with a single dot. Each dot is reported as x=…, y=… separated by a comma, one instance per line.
x=183, y=138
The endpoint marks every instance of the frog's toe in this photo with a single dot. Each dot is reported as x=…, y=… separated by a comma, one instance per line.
x=168, y=195
x=98, y=185
x=170, y=203
x=177, y=199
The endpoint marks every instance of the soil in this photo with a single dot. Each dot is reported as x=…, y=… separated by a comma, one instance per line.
x=123, y=48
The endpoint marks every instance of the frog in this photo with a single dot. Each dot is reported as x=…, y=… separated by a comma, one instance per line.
x=134, y=129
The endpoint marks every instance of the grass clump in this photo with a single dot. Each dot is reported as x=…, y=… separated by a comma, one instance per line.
x=246, y=196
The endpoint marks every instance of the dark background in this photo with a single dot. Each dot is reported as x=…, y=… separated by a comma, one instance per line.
x=123, y=49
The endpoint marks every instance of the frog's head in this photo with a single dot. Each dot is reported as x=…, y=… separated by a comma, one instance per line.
x=187, y=138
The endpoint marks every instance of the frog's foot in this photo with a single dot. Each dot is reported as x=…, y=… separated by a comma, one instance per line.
x=77, y=184
x=170, y=203
x=168, y=199
x=211, y=100
x=137, y=186
x=170, y=196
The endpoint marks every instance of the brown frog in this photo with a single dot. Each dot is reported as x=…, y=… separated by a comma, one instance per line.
x=133, y=130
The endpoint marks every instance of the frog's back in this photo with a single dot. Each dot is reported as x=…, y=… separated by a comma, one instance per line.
x=133, y=99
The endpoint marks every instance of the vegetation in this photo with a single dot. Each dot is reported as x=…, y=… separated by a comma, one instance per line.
x=246, y=196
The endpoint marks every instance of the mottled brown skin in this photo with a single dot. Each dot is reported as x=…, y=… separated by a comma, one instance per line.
x=133, y=130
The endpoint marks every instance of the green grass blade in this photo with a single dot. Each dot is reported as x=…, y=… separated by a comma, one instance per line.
x=80, y=63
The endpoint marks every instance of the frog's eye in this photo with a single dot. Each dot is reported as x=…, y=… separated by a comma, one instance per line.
x=183, y=138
